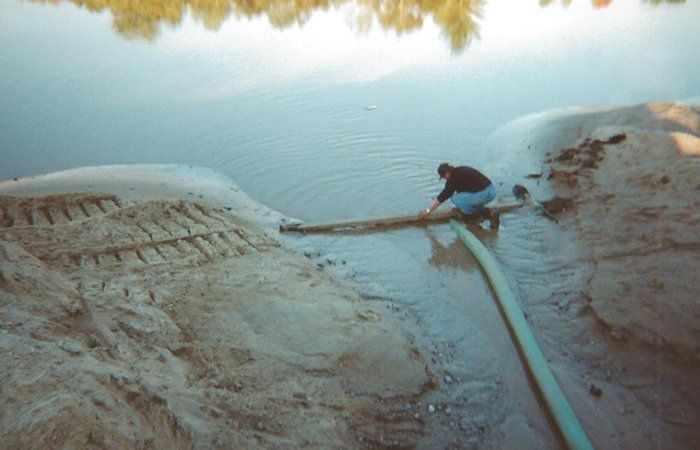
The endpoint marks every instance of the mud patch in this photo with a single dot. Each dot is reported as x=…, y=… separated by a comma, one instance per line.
x=568, y=164
x=557, y=205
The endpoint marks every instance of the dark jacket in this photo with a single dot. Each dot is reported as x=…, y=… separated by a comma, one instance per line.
x=464, y=179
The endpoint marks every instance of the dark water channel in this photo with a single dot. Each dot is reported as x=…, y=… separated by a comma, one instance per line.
x=322, y=117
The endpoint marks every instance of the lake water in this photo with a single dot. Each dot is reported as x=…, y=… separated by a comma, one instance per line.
x=336, y=110
x=281, y=107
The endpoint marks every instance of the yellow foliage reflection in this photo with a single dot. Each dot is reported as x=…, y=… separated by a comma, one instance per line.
x=458, y=19
x=143, y=18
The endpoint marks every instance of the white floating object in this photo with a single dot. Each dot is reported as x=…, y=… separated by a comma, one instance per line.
x=370, y=107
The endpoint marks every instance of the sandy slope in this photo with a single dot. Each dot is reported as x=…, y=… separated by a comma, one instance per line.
x=612, y=293
x=638, y=211
x=174, y=324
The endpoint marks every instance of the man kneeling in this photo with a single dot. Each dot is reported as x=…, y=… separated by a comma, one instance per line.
x=469, y=189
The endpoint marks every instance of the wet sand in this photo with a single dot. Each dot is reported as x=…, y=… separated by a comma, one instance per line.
x=177, y=324
x=612, y=294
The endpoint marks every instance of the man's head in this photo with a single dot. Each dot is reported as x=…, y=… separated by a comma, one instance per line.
x=444, y=170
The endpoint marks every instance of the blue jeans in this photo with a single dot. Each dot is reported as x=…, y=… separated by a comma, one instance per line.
x=470, y=202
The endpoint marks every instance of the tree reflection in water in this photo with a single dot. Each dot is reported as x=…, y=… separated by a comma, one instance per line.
x=142, y=19
x=458, y=19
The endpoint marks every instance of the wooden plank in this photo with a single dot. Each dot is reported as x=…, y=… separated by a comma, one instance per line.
x=392, y=222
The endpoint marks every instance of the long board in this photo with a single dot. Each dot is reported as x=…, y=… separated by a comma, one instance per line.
x=393, y=222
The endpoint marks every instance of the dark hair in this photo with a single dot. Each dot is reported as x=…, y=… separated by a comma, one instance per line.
x=444, y=169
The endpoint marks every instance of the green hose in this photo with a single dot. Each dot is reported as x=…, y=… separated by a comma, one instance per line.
x=554, y=398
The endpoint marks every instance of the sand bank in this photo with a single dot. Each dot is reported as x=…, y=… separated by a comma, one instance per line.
x=637, y=207
x=613, y=293
x=160, y=314
x=149, y=182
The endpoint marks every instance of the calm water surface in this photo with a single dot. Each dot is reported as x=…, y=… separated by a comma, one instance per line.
x=276, y=94
x=336, y=111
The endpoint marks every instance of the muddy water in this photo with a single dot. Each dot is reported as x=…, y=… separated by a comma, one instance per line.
x=322, y=119
x=431, y=274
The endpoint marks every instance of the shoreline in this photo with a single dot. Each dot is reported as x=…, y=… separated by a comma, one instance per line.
x=629, y=171
x=616, y=306
x=103, y=275
x=142, y=182
x=152, y=320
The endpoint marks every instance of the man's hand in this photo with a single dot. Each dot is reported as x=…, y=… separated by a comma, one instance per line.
x=433, y=206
